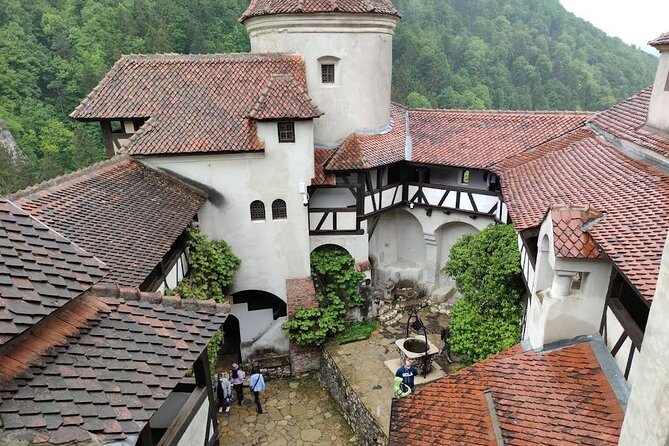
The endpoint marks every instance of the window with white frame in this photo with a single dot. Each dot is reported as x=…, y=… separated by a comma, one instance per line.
x=286, y=131
x=257, y=210
x=279, y=210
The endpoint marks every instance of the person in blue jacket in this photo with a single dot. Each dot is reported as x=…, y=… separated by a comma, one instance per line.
x=407, y=373
x=257, y=385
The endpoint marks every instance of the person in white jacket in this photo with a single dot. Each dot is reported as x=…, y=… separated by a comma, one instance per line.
x=223, y=392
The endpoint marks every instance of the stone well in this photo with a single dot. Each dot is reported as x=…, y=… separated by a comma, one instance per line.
x=413, y=348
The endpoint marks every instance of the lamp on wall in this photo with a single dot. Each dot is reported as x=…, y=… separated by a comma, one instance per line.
x=302, y=188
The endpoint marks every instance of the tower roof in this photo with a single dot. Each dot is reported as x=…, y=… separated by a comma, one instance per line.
x=273, y=7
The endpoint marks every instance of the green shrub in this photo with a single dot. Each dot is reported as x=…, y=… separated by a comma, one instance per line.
x=486, y=268
x=337, y=289
x=212, y=267
x=357, y=331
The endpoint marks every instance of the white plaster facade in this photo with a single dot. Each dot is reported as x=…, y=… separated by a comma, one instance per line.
x=648, y=407
x=556, y=311
x=271, y=250
x=360, y=46
x=658, y=109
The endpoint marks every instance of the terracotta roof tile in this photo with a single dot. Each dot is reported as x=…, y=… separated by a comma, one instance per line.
x=321, y=177
x=663, y=39
x=583, y=168
x=120, y=210
x=626, y=120
x=272, y=7
x=570, y=236
x=556, y=397
x=283, y=98
x=196, y=103
x=366, y=151
x=95, y=384
x=480, y=139
x=40, y=270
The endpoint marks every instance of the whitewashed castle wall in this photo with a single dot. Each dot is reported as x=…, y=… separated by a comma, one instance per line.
x=271, y=251
x=362, y=46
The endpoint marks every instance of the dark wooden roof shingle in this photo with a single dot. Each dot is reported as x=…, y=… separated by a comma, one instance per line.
x=120, y=210
x=273, y=7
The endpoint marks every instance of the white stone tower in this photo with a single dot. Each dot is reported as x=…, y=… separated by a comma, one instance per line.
x=347, y=47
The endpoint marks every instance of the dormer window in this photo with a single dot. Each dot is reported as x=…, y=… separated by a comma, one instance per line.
x=117, y=126
x=464, y=177
x=328, y=73
x=286, y=131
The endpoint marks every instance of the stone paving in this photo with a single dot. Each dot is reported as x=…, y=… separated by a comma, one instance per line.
x=298, y=412
x=362, y=363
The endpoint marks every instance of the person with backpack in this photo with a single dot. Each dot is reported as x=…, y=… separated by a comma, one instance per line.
x=407, y=373
x=400, y=390
x=223, y=392
x=238, y=382
x=257, y=385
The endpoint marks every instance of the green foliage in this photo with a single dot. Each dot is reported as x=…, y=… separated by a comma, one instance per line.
x=336, y=282
x=357, y=331
x=510, y=54
x=417, y=100
x=486, y=268
x=212, y=268
x=334, y=274
x=212, y=351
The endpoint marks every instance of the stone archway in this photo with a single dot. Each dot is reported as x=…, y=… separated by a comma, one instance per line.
x=446, y=236
x=260, y=315
x=398, y=239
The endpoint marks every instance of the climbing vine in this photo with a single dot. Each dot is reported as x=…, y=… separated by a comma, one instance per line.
x=337, y=289
x=212, y=268
x=486, y=268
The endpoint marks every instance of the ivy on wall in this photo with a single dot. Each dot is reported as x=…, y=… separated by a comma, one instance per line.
x=337, y=289
x=212, y=267
x=486, y=268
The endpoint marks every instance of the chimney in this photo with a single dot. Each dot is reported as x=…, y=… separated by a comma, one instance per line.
x=658, y=109
x=646, y=421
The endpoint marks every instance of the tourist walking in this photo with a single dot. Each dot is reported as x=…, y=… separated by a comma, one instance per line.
x=257, y=385
x=223, y=392
x=237, y=380
x=407, y=373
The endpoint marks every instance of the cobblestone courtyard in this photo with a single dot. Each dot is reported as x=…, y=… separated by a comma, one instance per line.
x=298, y=412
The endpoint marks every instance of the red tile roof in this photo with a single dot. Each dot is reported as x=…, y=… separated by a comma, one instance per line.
x=123, y=212
x=40, y=271
x=272, y=7
x=283, y=98
x=557, y=397
x=570, y=236
x=197, y=103
x=582, y=168
x=102, y=366
x=366, y=151
x=480, y=139
x=321, y=177
x=662, y=40
x=626, y=120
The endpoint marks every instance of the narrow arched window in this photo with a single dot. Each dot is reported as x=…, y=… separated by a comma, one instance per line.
x=257, y=210
x=279, y=209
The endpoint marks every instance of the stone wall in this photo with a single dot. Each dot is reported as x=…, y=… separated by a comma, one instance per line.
x=363, y=423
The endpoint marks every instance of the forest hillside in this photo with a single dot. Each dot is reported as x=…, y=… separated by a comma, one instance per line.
x=511, y=54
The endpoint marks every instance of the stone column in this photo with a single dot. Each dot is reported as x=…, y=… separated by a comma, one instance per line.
x=647, y=416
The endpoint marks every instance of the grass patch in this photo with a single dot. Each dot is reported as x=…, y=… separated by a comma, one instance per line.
x=357, y=331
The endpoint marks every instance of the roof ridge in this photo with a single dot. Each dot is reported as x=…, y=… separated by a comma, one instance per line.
x=498, y=111
x=117, y=159
x=134, y=294
x=205, y=56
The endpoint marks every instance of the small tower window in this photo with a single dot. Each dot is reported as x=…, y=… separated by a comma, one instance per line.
x=286, y=131
x=279, y=210
x=464, y=179
x=257, y=210
x=328, y=73
x=577, y=280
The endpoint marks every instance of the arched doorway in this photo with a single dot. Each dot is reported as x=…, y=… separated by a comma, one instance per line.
x=398, y=240
x=446, y=236
x=260, y=315
x=231, y=339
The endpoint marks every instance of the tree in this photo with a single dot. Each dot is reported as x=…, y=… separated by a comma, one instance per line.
x=486, y=268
